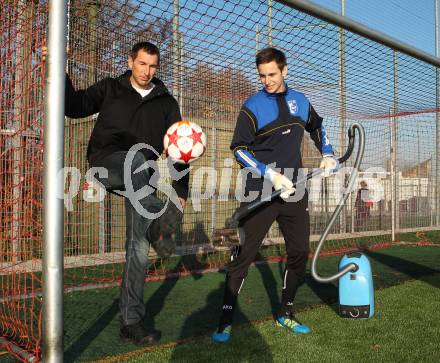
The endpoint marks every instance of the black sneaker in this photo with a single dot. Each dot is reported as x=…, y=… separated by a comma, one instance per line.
x=165, y=245
x=160, y=232
x=153, y=231
x=137, y=334
x=170, y=220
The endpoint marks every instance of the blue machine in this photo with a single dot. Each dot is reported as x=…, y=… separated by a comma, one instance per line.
x=356, y=291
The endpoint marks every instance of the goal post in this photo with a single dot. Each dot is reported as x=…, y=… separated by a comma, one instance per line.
x=53, y=185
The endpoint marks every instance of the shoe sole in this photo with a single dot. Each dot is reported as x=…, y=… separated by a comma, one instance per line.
x=128, y=340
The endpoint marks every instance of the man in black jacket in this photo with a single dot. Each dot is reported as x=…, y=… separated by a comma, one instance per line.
x=135, y=110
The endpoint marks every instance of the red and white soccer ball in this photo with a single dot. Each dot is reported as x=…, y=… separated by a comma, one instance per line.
x=184, y=142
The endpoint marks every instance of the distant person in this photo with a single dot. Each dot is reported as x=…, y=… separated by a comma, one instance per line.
x=362, y=206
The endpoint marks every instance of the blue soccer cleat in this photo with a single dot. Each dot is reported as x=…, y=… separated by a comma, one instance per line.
x=291, y=323
x=222, y=335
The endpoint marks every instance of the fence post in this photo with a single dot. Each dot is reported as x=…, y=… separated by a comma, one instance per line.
x=392, y=174
x=177, y=53
x=396, y=140
x=352, y=211
x=214, y=197
x=101, y=226
x=437, y=124
x=342, y=108
x=257, y=48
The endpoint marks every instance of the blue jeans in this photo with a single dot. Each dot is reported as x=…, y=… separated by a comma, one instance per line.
x=131, y=303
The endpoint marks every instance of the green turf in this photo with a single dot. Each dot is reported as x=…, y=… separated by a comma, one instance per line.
x=189, y=307
x=404, y=329
x=425, y=236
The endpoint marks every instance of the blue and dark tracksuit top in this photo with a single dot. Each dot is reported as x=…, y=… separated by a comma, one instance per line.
x=269, y=131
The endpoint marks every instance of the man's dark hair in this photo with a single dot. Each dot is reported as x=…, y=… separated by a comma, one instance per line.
x=268, y=55
x=148, y=47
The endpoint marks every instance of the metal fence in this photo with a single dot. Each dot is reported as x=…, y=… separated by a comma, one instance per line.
x=208, y=63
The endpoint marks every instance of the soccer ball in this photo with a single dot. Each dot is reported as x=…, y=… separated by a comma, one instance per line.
x=184, y=142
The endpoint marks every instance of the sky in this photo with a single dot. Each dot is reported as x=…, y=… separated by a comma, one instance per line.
x=410, y=21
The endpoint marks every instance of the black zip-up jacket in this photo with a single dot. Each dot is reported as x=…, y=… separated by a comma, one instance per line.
x=125, y=118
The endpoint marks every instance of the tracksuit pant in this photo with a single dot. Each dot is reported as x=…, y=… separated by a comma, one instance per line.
x=293, y=219
x=131, y=303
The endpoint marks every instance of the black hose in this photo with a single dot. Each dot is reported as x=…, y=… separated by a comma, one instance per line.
x=352, y=180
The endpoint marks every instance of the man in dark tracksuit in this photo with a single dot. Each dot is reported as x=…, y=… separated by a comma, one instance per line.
x=267, y=140
x=133, y=108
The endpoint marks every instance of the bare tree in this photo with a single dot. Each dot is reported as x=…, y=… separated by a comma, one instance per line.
x=216, y=93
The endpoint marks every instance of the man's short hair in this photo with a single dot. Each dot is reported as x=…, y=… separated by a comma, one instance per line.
x=148, y=47
x=268, y=55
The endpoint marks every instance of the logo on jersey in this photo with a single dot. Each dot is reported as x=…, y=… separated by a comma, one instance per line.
x=293, y=107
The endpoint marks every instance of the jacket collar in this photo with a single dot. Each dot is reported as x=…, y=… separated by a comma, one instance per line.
x=158, y=90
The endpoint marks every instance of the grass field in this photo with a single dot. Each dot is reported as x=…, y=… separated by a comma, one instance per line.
x=189, y=307
x=401, y=331
x=186, y=310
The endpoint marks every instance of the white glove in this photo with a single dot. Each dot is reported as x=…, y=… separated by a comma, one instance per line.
x=282, y=182
x=330, y=164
